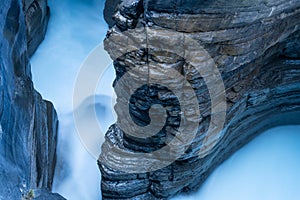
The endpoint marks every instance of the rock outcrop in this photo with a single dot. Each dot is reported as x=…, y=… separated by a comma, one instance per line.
x=28, y=124
x=37, y=15
x=255, y=48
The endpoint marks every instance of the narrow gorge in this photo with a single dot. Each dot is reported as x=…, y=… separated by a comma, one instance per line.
x=195, y=84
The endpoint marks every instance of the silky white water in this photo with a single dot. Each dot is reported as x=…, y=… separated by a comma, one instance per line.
x=75, y=28
x=265, y=169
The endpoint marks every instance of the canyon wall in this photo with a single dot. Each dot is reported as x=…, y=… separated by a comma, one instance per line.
x=249, y=81
x=28, y=124
x=37, y=15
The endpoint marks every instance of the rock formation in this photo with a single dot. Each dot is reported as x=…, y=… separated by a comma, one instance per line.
x=37, y=15
x=28, y=124
x=255, y=47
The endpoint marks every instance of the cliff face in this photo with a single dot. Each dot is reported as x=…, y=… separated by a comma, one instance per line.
x=37, y=15
x=242, y=60
x=28, y=124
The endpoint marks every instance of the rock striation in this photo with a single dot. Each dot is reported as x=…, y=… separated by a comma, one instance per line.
x=255, y=47
x=28, y=124
x=37, y=15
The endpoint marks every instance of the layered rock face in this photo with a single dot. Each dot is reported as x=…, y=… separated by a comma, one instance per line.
x=28, y=124
x=252, y=45
x=37, y=15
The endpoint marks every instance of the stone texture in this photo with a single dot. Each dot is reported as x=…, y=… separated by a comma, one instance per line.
x=37, y=15
x=28, y=124
x=46, y=195
x=255, y=45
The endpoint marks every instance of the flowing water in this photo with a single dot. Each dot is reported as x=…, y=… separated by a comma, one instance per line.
x=265, y=169
x=75, y=28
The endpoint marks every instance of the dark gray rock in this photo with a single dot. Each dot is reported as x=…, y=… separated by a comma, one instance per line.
x=28, y=124
x=46, y=195
x=109, y=10
x=37, y=15
x=255, y=45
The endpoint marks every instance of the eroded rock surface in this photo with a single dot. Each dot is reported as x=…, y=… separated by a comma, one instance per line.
x=28, y=124
x=37, y=15
x=255, y=46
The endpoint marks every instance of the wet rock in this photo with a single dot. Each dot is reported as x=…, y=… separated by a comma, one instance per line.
x=46, y=195
x=28, y=124
x=37, y=15
x=177, y=45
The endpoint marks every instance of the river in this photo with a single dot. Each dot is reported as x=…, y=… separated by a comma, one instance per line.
x=265, y=169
